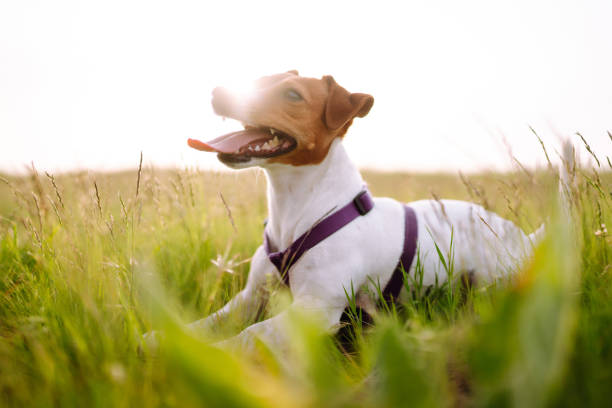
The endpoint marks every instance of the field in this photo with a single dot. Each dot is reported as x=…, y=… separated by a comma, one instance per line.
x=89, y=262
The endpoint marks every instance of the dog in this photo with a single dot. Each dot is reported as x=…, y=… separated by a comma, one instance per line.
x=293, y=129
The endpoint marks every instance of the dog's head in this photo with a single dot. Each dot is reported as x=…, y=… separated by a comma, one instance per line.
x=287, y=119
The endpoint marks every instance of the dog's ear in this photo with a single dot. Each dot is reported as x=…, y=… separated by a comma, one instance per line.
x=342, y=106
x=293, y=71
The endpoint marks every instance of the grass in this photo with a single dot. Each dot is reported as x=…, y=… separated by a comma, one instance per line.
x=89, y=262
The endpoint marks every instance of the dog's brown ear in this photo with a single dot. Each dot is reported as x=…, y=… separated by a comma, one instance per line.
x=342, y=106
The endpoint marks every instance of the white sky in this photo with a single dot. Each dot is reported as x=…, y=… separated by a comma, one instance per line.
x=91, y=84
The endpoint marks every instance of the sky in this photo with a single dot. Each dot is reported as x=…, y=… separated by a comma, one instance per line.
x=457, y=84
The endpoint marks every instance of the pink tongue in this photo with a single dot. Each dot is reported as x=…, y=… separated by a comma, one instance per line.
x=231, y=142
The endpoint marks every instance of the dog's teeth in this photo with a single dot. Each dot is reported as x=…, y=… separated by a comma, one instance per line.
x=271, y=131
x=265, y=146
x=274, y=142
x=257, y=148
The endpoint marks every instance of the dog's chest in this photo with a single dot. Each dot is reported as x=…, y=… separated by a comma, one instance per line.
x=363, y=253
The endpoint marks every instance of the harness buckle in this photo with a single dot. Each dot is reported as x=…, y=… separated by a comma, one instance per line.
x=363, y=206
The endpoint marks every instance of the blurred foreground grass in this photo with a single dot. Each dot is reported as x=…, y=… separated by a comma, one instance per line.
x=89, y=262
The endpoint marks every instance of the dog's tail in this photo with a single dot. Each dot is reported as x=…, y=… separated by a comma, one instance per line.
x=567, y=176
x=536, y=236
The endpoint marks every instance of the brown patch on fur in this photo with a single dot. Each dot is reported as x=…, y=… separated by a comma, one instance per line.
x=325, y=112
x=342, y=106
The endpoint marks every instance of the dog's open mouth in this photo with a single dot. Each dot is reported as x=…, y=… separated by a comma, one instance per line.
x=252, y=142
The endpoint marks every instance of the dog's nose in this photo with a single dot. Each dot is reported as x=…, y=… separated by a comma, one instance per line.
x=219, y=94
x=220, y=100
x=218, y=91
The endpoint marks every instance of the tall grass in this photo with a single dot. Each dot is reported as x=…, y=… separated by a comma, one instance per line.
x=89, y=262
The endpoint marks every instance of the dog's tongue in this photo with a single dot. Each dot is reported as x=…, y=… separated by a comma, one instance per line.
x=231, y=142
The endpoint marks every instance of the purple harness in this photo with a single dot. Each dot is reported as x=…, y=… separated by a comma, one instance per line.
x=360, y=206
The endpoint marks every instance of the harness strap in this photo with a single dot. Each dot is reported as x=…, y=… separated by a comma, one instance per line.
x=346, y=333
x=360, y=205
x=284, y=260
x=394, y=286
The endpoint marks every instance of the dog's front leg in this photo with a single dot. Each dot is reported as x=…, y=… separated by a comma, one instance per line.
x=246, y=301
x=275, y=332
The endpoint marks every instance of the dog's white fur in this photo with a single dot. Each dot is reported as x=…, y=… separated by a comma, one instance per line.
x=367, y=249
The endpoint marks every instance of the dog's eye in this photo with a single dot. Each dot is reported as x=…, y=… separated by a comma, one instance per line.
x=293, y=95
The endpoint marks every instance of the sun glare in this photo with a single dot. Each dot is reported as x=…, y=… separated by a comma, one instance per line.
x=243, y=88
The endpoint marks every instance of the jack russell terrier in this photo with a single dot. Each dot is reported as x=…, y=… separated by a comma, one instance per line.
x=325, y=234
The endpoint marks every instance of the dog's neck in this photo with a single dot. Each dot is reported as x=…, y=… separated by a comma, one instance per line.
x=299, y=196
